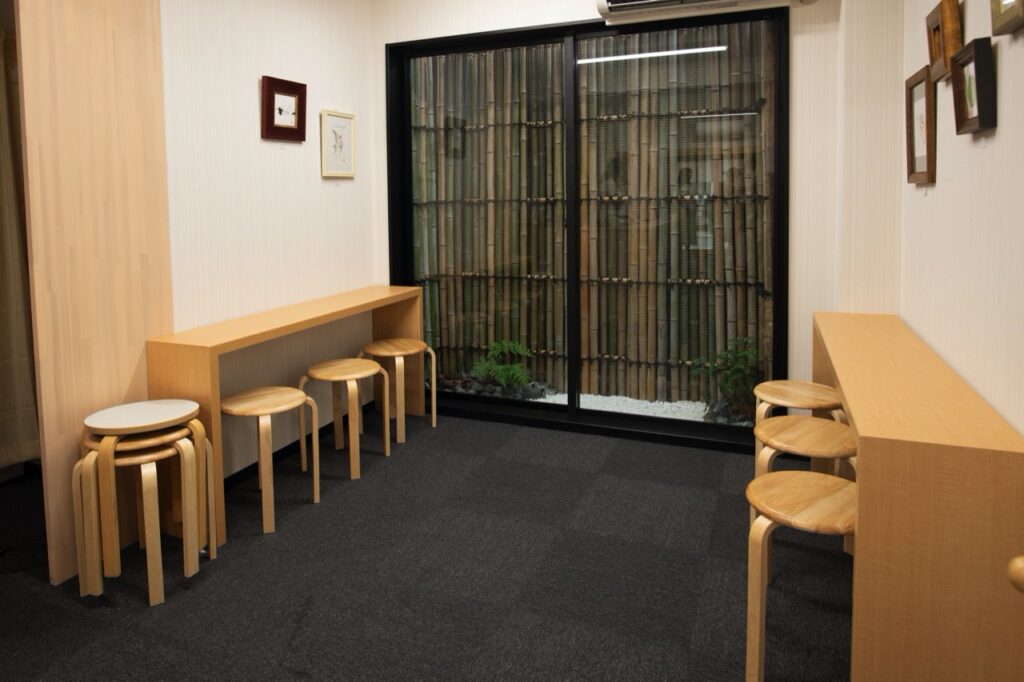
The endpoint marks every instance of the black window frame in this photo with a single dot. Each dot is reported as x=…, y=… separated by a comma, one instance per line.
x=400, y=224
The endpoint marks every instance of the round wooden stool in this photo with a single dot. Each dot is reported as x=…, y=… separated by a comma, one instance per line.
x=813, y=502
x=812, y=437
x=262, y=403
x=397, y=349
x=798, y=395
x=111, y=425
x=349, y=371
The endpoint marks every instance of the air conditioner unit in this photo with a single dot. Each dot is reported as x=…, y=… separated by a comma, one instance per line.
x=632, y=11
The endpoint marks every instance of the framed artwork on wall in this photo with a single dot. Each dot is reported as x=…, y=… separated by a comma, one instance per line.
x=920, y=115
x=1007, y=16
x=945, y=36
x=337, y=145
x=282, y=110
x=974, y=87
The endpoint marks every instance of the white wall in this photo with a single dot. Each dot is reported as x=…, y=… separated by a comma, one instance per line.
x=963, y=238
x=252, y=224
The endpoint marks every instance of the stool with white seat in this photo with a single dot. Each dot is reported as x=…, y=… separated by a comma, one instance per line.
x=348, y=371
x=263, y=402
x=397, y=350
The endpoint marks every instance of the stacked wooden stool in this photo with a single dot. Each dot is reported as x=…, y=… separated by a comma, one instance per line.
x=141, y=434
x=348, y=371
x=397, y=350
x=263, y=402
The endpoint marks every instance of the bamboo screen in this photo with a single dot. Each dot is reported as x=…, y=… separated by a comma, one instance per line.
x=489, y=206
x=676, y=215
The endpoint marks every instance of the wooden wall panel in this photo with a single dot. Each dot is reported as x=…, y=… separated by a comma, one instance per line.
x=99, y=255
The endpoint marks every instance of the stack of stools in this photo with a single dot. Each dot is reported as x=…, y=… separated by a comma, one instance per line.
x=397, y=350
x=349, y=371
x=140, y=435
x=263, y=402
x=805, y=500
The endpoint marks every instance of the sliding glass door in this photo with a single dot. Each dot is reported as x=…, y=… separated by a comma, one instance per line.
x=676, y=159
x=594, y=214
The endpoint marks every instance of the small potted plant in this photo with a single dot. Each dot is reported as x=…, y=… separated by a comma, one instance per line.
x=732, y=376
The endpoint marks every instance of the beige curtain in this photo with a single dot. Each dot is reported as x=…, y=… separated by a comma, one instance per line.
x=19, y=430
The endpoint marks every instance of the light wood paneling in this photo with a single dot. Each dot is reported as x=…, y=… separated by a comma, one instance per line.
x=940, y=479
x=92, y=104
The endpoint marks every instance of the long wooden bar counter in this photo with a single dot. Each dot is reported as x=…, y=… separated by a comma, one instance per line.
x=940, y=479
x=187, y=364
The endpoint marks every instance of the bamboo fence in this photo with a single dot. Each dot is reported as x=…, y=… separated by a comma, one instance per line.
x=676, y=190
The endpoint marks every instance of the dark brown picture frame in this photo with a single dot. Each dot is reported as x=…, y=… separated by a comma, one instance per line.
x=923, y=79
x=978, y=52
x=269, y=87
x=1007, y=20
x=945, y=36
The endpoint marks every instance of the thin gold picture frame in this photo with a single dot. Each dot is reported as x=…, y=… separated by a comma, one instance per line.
x=1007, y=19
x=329, y=141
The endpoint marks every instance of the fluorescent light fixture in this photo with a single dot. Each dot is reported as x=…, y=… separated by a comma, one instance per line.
x=745, y=113
x=648, y=55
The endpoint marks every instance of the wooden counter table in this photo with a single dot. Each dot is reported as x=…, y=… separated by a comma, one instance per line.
x=187, y=364
x=940, y=479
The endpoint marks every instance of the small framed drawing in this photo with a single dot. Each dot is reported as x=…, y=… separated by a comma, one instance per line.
x=1007, y=16
x=282, y=110
x=945, y=37
x=337, y=145
x=974, y=87
x=920, y=114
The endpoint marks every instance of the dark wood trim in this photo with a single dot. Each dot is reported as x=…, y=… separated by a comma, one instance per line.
x=978, y=51
x=945, y=36
x=923, y=79
x=269, y=86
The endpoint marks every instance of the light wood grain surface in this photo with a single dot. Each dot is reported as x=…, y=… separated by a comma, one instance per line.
x=940, y=479
x=798, y=394
x=806, y=500
x=389, y=348
x=344, y=369
x=99, y=256
x=808, y=436
x=263, y=400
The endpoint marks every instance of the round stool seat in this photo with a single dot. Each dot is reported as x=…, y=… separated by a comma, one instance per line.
x=148, y=455
x=390, y=348
x=347, y=369
x=148, y=415
x=798, y=394
x=265, y=400
x=140, y=442
x=806, y=500
x=808, y=436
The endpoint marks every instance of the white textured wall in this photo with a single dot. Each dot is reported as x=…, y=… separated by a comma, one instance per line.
x=963, y=238
x=252, y=224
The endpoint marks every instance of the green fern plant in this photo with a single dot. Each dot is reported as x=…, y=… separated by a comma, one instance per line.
x=503, y=364
x=734, y=373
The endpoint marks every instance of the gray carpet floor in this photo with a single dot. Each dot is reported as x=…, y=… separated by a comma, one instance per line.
x=476, y=551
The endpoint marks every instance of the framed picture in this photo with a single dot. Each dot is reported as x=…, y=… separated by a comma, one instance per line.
x=945, y=37
x=337, y=145
x=282, y=110
x=974, y=87
x=920, y=114
x=1007, y=16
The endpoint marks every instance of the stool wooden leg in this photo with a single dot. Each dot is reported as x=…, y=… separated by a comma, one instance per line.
x=387, y=413
x=140, y=512
x=759, y=541
x=199, y=445
x=189, y=506
x=762, y=465
x=339, y=426
x=353, y=429
x=91, y=523
x=313, y=417
x=760, y=414
x=433, y=387
x=266, y=450
x=109, y=533
x=302, y=427
x=211, y=496
x=154, y=556
x=400, y=398
x=87, y=572
x=840, y=416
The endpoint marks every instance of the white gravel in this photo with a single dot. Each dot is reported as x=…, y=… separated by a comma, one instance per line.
x=683, y=409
